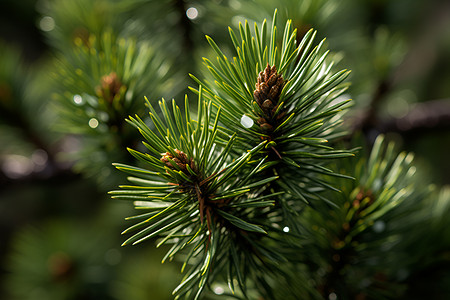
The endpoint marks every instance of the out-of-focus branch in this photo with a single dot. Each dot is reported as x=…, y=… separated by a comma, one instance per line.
x=49, y=175
x=184, y=24
x=369, y=119
x=424, y=117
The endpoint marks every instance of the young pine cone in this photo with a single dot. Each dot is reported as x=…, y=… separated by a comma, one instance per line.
x=268, y=88
x=109, y=87
x=267, y=95
x=180, y=159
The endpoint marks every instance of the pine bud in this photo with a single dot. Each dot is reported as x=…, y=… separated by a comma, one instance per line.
x=109, y=87
x=268, y=87
x=267, y=104
x=261, y=121
x=267, y=94
x=363, y=200
x=180, y=159
x=266, y=127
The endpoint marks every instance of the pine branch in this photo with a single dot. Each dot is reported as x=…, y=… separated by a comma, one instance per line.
x=429, y=116
x=349, y=239
x=221, y=187
x=368, y=119
x=194, y=196
x=291, y=106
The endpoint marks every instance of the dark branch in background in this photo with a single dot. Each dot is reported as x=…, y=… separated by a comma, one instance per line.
x=23, y=31
x=368, y=120
x=16, y=119
x=426, y=117
x=52, y=168
x=47, y=176
x=185, y=25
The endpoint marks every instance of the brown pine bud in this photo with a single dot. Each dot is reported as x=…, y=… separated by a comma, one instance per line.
x=273, y=78
x=267, y=72
x=268, y=86
x=275, y=90
x=257, y=97
x=267, y=104
x=261, y=121
x=109, y=87
x=266, y=127
x=180, y=159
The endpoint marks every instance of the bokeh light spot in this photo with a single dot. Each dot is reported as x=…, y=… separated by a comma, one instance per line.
x=47, y=23
x=78, y=99
x=93, y=123
x=192, y=13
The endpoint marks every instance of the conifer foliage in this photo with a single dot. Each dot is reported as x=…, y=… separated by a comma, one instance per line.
x=220, y=186
x=266, y=182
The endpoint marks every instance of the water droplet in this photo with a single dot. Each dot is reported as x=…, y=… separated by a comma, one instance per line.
x=246, y=121
x=286, y=229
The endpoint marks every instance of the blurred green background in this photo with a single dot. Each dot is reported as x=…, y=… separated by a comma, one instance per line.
x=60, y=231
